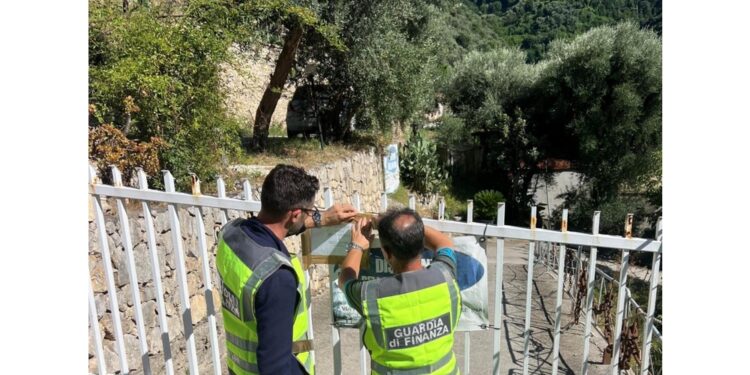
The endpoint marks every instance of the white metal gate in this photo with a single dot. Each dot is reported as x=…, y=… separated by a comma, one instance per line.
x=549, y=239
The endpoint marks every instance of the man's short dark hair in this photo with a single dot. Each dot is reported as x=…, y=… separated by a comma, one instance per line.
x=404, y=244
x=287, y=187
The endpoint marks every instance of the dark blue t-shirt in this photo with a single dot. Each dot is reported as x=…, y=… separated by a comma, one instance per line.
x=275, y=304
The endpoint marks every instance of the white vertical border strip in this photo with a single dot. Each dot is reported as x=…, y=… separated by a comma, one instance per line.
x=207, y=284
x=498, y=320
x=101, y=366
x=558, y=303
x=335, y=332
x=187, y=320
x=621, y=298
x=648, y=327
x=590, y=298
x=467, y=336
x=156, y=276
x=529, y=286
x=109, y=275
x=127, y=244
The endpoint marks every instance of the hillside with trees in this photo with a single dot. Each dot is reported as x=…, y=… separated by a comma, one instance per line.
x=522, y=81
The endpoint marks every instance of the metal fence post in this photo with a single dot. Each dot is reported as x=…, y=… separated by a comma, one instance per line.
x=621, y=295
x=127, y=244
x=412, y=202
x=648, y=326
x=221, y=193
x=156, y=275
x=101, y=366
x=335, y=331
x=558, y=303
x=467, y=336
x=187, y=320
x=529, y=287
x=500, y=253
x=207, y=283
x=362, y=349
x=114, y=307
x=590, y=298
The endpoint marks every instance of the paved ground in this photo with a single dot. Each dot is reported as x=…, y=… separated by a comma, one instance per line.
x=511, y=351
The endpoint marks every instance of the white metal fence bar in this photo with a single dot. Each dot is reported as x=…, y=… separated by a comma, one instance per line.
x=383, y=202
x=173, y=198
x=547, y=255
x=498, y=321
x=109, y=275
x=590, y=297
x=545, y=235
x=467, y=337
x=412, y=202
x=356, y=202
x=102, y=368
x=529, y=286
x=558, y=302
x=208, y=290
x=648, y=327
x=335, y=331
x=127, y=244
x=221, y=193
x=187, y=320
x=621, y=294
x=247, y=192
x=156, y=276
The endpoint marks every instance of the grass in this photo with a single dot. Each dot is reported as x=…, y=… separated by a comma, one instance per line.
x=401, y=195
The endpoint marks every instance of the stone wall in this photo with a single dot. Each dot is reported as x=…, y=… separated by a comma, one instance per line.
x=360, y=172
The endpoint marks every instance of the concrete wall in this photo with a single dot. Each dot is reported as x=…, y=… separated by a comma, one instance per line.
x=362, y=172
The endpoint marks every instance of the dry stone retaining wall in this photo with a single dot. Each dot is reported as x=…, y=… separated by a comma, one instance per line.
x=360, y=172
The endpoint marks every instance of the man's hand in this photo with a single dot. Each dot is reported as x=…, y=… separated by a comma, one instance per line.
x=362, y=232
x=337, y=214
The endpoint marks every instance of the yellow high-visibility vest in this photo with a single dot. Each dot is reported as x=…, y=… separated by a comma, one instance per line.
x=243, y=265
x=410, y=320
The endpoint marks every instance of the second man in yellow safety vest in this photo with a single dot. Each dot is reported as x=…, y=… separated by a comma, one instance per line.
x=410, y=318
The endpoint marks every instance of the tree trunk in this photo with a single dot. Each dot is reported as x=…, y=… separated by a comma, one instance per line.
x=273, y=91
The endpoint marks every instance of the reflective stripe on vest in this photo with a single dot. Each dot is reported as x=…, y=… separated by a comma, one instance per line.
x=429, y=369
x=243, y=266
x=410, y=321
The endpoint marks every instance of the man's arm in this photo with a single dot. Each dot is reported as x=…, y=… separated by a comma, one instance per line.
x=350, y=265
x=336, y=214
x=275, y=303
x=435, y=239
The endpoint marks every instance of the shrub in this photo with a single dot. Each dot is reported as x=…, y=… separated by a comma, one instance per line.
x=420, y=169
x=109, y=146
x=485, y=204
x=154, y=75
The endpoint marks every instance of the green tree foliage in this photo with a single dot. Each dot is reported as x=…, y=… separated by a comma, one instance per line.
x=534, y=24
x=168, y=69
x=388, y=71
x=420, y=169
x=602, y=92
x=486, y=93
x=595, y=100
